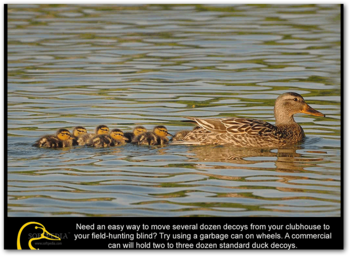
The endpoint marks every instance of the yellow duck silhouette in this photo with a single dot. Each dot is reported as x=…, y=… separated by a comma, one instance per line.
x=44, y=235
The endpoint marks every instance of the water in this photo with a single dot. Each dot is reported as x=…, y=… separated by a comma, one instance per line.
x=128, y=65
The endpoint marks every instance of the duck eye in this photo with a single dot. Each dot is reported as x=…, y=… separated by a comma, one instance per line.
x=295, y=99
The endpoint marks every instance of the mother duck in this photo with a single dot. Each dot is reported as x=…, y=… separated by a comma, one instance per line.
x=242, y=132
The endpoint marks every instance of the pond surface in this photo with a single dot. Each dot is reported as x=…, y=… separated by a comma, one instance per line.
x=150, y=65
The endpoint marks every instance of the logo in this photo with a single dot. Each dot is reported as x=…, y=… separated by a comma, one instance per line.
x=44, y=235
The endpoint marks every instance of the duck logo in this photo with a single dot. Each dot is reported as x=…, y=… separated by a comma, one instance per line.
x=34, y=226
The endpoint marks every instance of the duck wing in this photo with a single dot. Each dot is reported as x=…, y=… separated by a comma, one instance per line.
x=235, y=126
x=213, y=125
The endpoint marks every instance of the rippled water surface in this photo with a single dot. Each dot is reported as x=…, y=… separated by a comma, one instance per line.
x=146, y=65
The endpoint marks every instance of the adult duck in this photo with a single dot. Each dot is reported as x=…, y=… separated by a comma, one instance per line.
x=242, y=132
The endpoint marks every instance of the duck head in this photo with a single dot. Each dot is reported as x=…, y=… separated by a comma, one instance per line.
x=79, y=131
x=139, y=130
x=289, y=104
x=102, y=129
x=161, y=131
x=118, y=135
x=63, y=134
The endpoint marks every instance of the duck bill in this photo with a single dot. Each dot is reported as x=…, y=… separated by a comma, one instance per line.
x=170, y=135
x=125, y=138
x=309, y=110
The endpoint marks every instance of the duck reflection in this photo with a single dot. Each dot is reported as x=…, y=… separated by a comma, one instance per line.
x=284, y=159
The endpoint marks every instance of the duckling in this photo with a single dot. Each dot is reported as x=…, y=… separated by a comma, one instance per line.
x=85, y=139
x=100, y=141
x=157, y=137
x=118, y=137
x=146, y=138
x=115, y=138
x=62, y=139
x=136, y=132
x=78, y=132
x=179, y=136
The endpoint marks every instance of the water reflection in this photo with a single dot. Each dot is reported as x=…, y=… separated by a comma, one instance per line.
x=252, y=173
x=283, y=159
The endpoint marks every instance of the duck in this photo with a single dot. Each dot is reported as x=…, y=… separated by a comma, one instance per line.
x=85, y=139
x=118, y=137
x=78, y=132
x=157, y=137
x=114, y=138
x=136, y=132
x=100, y=141
x=62, y=139
x=181, y=134
x=242, y=132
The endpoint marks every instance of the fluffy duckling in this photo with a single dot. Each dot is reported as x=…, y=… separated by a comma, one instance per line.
x=179, y=136
x=157, y=137
x=85, y=139
x=118, y=137
x=115, y=138
x=100, y=141
x=136, y=132
x=62, y=139
x=78, y=132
